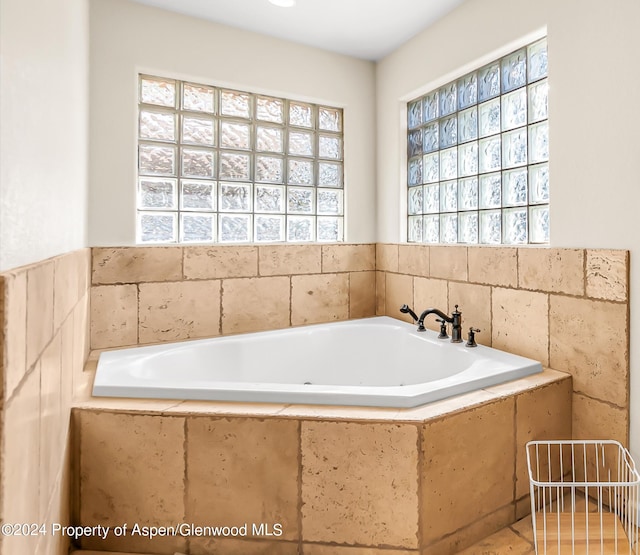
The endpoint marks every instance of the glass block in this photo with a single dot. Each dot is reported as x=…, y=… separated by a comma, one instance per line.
x=448, y=132
x=330, y=147
x=414, y=114
x=269, y=228
x=467, y=91
x=197, y=163
x=514, y=226
x=414, y=142
x=269, y=169
x=198, y=131
x=539, y=184
x=415, y=171
x=431, y=229
x=198, y=98
x=300, y=201
x=514, y=70
x=448, y=228
x=157, y=227
x=448, y=99
x=468, y=125
x=468, y=194
x=514, y=148
x=234, y=228
x=157, y=193
x=539, y=142
x=234, y=135
x=538, y=101
x=300, y=228
x=235, y=197
x=414, y=202
x=539, y=224
x=161, y=92
x=490, y=158
x=449, y=163
x=330, y=174
x=468, y=227
x=491, y=190
x=330, y=228
x=491, y=227
x=414, y=231
x=157, y=160
x=468, y=159
x=269, y=198
x=329, y=201
x=430, y=168
x=514, y=109
x=197, y=228
x=330, y=119
x=431, y=141
x=197, y=195
x=301, y=143
x=300, y=115
x=233, y=103
x=449, y=196
x=157, y=126
x=270, y=109
x=234, y=165
x=489, y=82
x=300, y=172
x=269, y=139
x=537, y=60
x=489, y=116
x=431, y=198
x=431, y=110
x=514, y=184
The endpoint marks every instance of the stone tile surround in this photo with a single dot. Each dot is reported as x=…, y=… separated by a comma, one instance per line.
x=568, y=308
x=358, y=481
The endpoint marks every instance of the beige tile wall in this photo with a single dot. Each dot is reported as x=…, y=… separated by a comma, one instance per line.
x=44, y=347
x=567, y=308
x=151, y=294
x=349, y=480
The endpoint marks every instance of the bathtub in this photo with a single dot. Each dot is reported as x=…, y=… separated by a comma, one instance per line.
x=378, y=361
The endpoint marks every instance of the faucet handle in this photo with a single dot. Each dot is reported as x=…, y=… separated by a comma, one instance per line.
x=471, y=340
x=443, y=328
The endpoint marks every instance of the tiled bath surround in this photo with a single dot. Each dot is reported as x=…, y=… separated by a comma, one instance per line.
x=568, y=308
x=340, y=480
x=45, y=308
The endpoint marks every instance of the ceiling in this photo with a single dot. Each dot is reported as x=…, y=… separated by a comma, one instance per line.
x=367, y=29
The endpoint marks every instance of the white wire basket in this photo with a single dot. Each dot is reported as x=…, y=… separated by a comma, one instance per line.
x=584, y=497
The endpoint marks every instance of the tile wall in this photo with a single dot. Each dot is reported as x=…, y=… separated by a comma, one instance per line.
x=45, y=309
x=150, y=294
x=568, y=308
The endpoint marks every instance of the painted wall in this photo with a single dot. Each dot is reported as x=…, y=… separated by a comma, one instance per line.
x=127, y=38
x=43, y=137
x=594, y=144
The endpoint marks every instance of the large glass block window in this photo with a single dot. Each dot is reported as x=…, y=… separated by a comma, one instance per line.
x=227, y=166
x=478, y=155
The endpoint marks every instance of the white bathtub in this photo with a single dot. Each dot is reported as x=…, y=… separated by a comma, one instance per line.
x=371, y=362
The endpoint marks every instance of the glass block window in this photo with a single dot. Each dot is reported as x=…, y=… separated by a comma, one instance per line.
x=478, y=154
x=227, y=166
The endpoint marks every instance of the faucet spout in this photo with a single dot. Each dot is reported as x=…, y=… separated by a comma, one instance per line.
x=455, y=320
